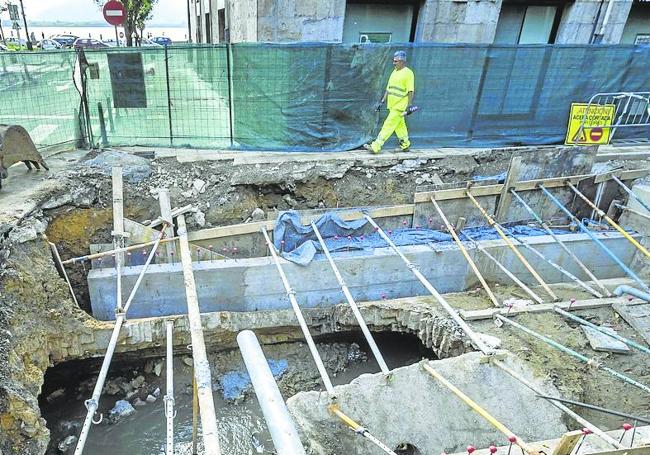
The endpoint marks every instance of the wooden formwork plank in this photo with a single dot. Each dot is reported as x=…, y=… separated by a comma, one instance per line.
x=567, y=443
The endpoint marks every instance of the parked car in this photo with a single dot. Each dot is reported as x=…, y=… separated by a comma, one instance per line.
x=3, y=47
x=65, y=40
x=149, y=43
x=49, y=45
x=162, y=40
x=89, y=43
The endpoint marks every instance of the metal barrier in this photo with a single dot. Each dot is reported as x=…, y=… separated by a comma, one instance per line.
x=631, y=110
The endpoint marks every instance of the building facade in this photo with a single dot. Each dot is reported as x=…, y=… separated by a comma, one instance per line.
x=441, y=21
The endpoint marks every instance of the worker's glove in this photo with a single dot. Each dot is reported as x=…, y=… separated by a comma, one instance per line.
x=377, y=106
x=409, y=110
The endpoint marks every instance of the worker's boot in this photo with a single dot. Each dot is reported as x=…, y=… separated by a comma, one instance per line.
x=404, y=146
x=373, y=147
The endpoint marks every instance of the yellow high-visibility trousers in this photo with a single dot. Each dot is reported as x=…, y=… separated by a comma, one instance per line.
x=394, y=123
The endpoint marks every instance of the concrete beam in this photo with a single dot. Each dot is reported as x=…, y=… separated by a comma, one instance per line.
x=243, y=284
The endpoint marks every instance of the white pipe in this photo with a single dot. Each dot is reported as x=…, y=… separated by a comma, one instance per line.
x=301, y=320
x=353, y=305
x=454, y=315
x=283, y=431
x=169, y=397
x=93, y=403
x=608, y=12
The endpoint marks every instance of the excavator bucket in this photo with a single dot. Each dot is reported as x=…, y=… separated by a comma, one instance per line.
x=17, y=146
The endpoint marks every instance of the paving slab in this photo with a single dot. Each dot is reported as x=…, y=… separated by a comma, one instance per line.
x=601, y=342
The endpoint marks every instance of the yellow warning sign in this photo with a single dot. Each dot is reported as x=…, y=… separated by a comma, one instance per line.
x=596, y=126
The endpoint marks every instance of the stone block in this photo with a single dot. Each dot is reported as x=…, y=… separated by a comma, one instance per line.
x=481, y=12
x=603, y=343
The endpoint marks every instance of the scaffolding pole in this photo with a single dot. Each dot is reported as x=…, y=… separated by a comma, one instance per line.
x=629, y=191
x=353, y=304
x=571, y=254
x=479, y=410
x=291, y=294
x=314, y=352
x=118, y=229
x=480, y=345
x=89, y=257
x=558, y=267
x=358, y=429
x=591, y=235
x=616, y=336
x=93, y=403
x=611, y=222
x=169, y=397
x=514, y=249
x=201, y=366
x=463, y=250
x=571, y=352
x=503, y=268
x=583, y=422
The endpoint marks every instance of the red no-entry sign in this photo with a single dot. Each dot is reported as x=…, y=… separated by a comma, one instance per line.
x=596, y=134
x=114, y=12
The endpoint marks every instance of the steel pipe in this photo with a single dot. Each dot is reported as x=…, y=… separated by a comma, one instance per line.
x=591, y=235
x=568, y=251
x=480, y=345
x=169, y=397
x=503, y=268
x=355, y=309
x=479, y=410
x=625, y=289
x=102, y=254
x=582, y=421
x=283, y=431
x=611, y=222
x=510, y=245
x=629, y=191
x=93, y=403
x=571, y=352
x=616, y=336
x=597, y=408
x=462, y=249
x=291, y=294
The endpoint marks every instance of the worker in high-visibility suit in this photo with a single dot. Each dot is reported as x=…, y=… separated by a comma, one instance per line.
x=399, y=94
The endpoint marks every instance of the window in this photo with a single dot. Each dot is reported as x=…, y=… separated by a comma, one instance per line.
x=535, y=22
x=642, y=38
x=381, y=37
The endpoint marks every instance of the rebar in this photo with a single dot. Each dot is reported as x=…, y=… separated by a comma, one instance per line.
x=463, y=250
x=573, y=353
x=510, y=245
x=616, y=336
x=353, y=304
x=358, y=429
x=611, y=222
x=505, y=270
x=479, y=410
x=480, y=345
x=597, y=408
x=597, y=241
x=571, y=254
x=629, y=191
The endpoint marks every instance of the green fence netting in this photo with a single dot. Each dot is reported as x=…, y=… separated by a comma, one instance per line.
x=314, y=96
x=37, y=91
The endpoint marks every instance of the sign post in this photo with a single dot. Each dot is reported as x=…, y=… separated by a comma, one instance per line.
x=115, y=14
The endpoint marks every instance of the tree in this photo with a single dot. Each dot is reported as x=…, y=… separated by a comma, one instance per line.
x=138, y=12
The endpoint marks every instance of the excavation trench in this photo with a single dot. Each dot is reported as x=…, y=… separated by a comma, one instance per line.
x=56, y=346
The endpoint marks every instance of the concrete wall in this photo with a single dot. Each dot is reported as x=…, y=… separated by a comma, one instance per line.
x=254, y=284
x=578, y=19
x=453, y=21
x=300, y=20
x=638, y=22
x=415, y=408
x=242, y=19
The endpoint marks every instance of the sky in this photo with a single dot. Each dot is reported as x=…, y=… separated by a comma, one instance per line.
x=166, y=11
